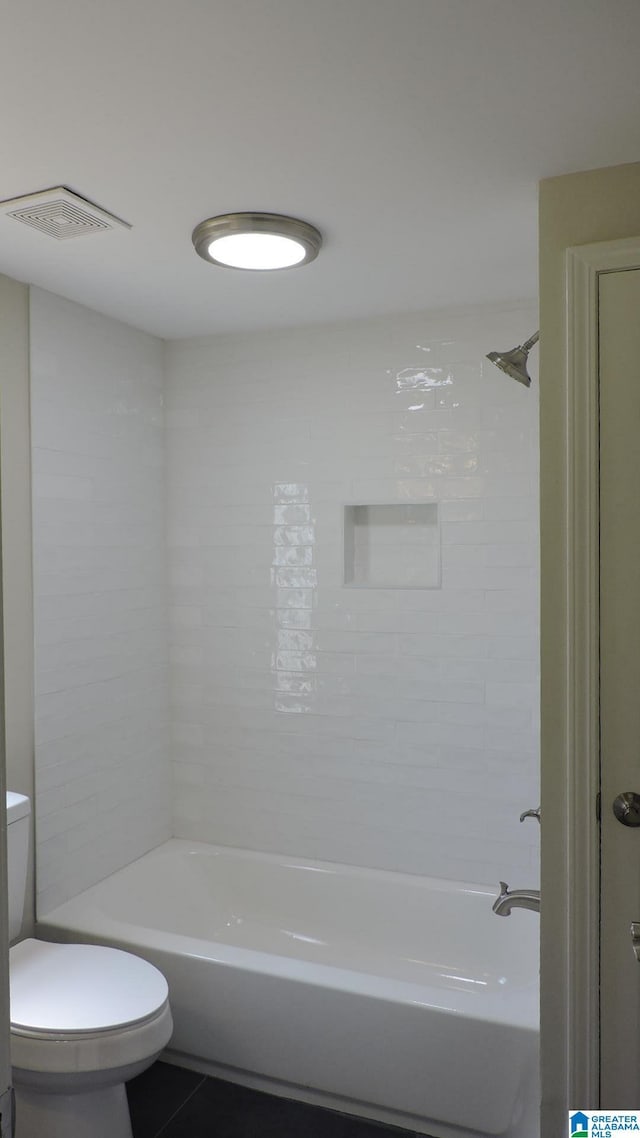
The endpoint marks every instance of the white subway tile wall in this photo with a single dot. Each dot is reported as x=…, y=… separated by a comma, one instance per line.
x=102, y=732
x=387, y=727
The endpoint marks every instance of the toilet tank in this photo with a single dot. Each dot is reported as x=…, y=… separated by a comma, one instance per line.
x=18, y=811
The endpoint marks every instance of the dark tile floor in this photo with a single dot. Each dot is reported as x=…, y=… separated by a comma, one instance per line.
x=171, y=1102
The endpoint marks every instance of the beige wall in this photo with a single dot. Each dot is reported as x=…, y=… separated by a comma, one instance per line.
x=16, y=543
x=576, y=209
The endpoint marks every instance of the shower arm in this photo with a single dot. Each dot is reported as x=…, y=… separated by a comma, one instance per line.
x=528, y=344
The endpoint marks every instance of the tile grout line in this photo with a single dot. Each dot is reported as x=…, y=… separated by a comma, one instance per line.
x=178, y=1109
x=173, y=1116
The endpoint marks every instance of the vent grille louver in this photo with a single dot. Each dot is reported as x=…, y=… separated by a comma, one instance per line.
x=61, y=214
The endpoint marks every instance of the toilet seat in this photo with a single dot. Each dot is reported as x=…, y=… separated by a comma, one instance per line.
x=71, y=989
x=77, y=1007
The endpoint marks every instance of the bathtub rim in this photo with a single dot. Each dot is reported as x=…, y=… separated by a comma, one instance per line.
x=495, y=1006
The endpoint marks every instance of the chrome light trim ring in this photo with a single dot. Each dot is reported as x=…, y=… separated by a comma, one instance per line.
x=278, y=224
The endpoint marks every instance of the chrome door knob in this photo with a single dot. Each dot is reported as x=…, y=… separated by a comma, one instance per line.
x=626, y=808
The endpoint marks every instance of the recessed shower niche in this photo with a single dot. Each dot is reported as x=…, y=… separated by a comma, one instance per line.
x=392, y=546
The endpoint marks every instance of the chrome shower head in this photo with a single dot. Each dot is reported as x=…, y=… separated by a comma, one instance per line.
x=514, y=363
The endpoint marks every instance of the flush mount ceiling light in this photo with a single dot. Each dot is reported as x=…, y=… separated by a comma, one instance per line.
x=258, y=241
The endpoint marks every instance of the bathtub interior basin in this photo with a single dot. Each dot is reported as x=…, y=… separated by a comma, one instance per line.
x=402, y=998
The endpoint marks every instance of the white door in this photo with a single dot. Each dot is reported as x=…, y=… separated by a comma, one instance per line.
x=590, y=995
x=619, y=388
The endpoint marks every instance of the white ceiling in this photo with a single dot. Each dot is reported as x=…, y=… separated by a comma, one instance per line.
x=411, y=132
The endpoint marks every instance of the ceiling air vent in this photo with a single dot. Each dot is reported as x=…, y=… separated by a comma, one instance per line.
x=61, y=213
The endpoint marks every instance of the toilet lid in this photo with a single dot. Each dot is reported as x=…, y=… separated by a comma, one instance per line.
x=68, y=988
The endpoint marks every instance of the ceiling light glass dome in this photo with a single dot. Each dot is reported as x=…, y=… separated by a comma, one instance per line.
x=256, y=241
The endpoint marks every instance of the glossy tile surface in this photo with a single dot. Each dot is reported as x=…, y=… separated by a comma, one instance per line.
x=101, y=675
x=341, y=722
x=169, y=1102
x=308, y=717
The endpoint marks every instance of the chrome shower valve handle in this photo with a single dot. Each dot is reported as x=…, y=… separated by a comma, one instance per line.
x=530, y=814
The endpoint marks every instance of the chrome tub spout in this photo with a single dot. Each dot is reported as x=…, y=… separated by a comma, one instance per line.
x=516, y=899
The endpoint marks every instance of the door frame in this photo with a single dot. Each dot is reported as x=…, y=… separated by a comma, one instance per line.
x=570, y=712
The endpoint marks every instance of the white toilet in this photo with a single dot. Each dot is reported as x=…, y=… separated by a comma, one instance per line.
x=84, y=1019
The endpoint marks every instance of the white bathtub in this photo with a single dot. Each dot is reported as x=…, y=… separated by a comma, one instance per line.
x=389, y=996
